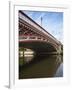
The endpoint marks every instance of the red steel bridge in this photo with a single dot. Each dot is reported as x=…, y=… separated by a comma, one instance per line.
x=35, y=37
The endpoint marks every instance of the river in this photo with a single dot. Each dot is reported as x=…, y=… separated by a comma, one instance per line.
x=41, y=66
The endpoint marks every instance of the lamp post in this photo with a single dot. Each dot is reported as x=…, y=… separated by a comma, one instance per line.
x=41, y=21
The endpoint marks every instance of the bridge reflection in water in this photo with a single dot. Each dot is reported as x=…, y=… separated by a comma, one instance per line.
x=41, y=66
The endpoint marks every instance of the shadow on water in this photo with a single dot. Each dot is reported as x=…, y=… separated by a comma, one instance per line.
x=42, y=67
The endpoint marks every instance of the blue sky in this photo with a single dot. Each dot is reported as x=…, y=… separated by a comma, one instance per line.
x=51, y=22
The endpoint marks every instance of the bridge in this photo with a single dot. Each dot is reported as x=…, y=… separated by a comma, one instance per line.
x=35, y=37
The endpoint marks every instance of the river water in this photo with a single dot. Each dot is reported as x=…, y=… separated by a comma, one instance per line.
x=41, y=66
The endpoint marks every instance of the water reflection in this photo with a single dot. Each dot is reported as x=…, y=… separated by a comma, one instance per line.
x=41, y=66
x=28, y=58
x=59, y=72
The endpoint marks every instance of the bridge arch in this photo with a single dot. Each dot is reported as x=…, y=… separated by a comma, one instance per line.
x=35, y=37
x=39, y=46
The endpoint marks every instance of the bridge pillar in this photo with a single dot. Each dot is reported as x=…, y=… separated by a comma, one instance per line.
x=59, y=51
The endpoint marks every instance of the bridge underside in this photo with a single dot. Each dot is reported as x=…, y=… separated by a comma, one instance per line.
x=38, y=47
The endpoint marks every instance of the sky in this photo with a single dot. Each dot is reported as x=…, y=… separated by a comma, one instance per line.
x=52, y=22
